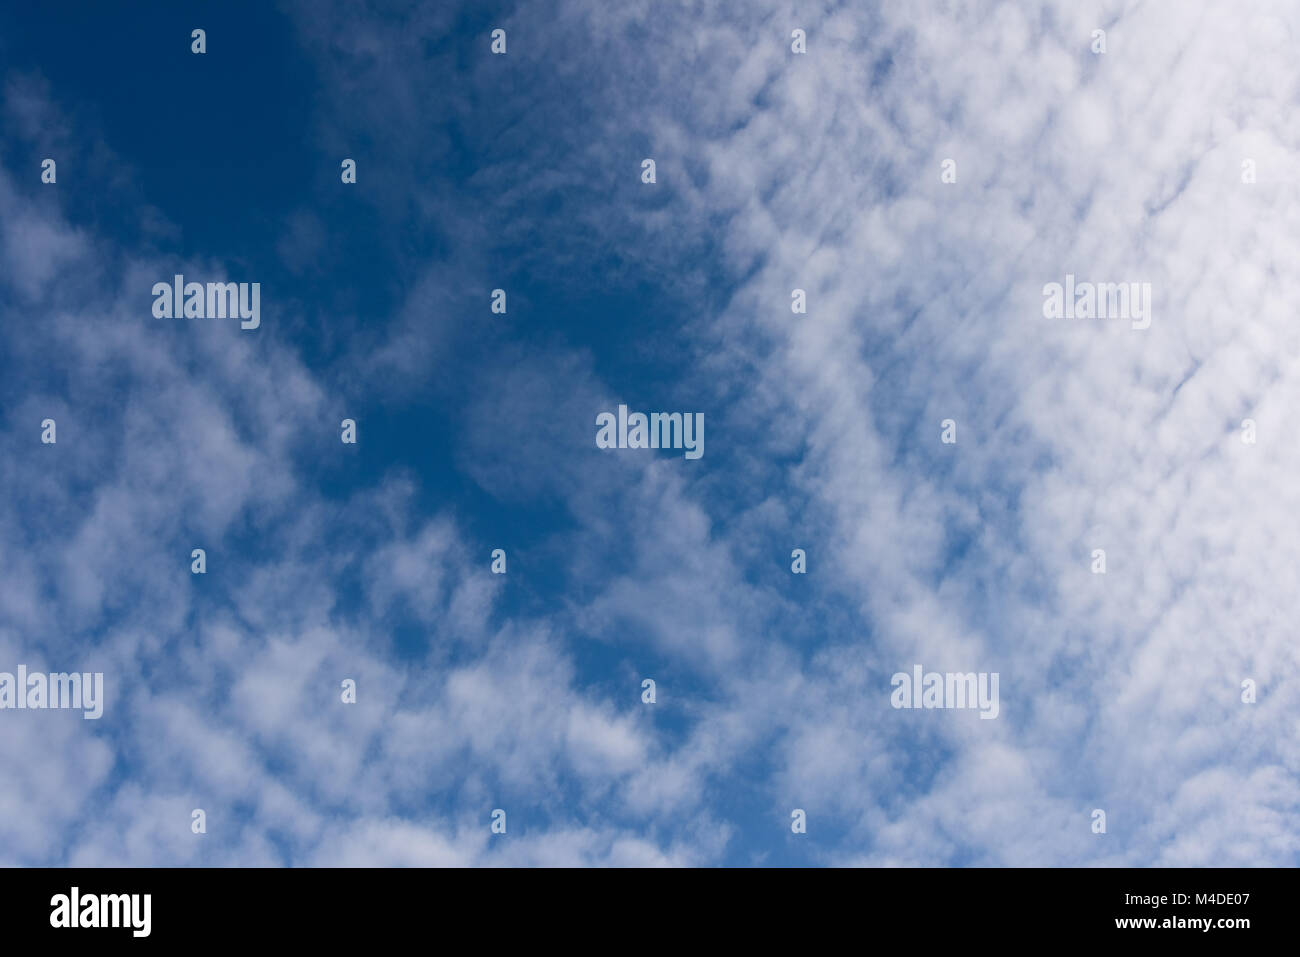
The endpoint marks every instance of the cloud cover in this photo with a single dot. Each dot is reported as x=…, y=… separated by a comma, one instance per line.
x=776, y=171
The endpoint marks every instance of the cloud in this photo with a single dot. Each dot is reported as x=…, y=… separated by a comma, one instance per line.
x=776, y=171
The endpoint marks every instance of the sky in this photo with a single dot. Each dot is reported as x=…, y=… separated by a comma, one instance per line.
x=948, y=458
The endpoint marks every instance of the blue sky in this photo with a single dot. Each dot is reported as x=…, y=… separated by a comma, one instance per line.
x=775, y=171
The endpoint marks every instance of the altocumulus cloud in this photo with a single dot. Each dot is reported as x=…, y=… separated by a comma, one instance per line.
x=776, y=171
